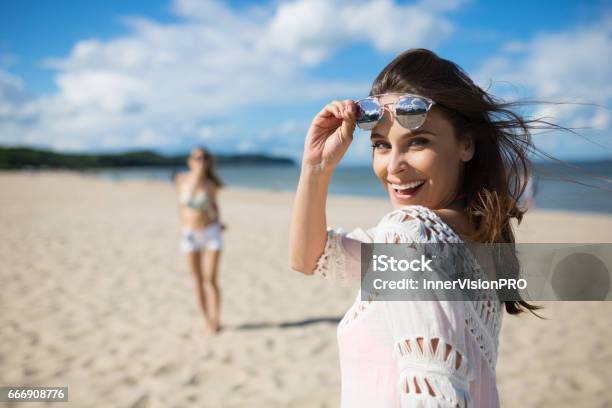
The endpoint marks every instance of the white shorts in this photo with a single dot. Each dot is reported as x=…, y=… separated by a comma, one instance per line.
x=196, y=239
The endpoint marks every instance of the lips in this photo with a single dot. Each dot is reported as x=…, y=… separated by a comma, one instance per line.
x=407, y=190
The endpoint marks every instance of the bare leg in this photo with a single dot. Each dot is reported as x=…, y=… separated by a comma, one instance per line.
x=195, y=264
x=211, y=288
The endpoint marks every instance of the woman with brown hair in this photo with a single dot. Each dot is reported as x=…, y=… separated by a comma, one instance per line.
x=451, y=158
x=201, y=228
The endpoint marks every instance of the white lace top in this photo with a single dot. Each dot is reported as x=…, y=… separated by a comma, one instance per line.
x=412, y=353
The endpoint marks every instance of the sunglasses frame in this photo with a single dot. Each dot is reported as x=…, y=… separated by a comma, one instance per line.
x=393, y=111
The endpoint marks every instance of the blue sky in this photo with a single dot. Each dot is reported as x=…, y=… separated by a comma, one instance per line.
x=248, y=77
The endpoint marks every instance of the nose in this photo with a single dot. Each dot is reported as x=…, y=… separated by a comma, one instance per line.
x=397, y=162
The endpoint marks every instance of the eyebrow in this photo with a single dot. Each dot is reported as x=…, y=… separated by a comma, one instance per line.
x=414, y=133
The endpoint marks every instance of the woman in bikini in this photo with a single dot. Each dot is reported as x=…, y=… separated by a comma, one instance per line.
x=451, y=158
x=201, y=228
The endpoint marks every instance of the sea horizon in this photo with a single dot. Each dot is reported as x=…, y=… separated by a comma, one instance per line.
x=581, y=186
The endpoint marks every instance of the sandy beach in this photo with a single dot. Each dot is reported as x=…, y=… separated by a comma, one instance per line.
x=95, y=296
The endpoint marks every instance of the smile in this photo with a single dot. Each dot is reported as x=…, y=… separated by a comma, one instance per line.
x=407, y=190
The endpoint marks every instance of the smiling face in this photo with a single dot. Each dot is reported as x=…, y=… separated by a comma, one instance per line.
x=422, y=166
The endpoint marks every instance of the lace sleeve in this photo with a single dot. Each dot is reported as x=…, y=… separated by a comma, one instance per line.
x=414, y=223
x=429, y=349
x=428, y=335
x=483, y=313
x=340, y=260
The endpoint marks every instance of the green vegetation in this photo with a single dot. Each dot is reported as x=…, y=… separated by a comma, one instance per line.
x=23, y=157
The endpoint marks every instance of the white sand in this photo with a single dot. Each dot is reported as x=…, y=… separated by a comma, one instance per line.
x=96, y=296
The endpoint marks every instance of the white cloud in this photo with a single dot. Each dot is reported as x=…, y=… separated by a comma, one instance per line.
x=573, y=66
x=162, y=84
x=285, y=138
x=514, y=46
x=287, y=129
x=313, y=29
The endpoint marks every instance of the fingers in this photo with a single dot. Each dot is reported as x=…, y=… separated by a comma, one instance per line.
x=350, y=109
x=346, y=109
x=348, y=125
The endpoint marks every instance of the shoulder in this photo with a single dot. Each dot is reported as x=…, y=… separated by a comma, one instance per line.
x=362, y=235
x=413, y=214
x=421, y=222
x=456, y=220
x=409, y=212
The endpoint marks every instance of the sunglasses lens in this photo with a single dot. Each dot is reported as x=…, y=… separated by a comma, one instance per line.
x=368, y=113
x=411, y=112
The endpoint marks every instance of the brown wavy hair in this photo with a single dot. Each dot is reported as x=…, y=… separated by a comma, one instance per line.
x=496, y=176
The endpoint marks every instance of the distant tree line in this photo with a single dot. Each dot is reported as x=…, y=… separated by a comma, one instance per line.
x=23, y=157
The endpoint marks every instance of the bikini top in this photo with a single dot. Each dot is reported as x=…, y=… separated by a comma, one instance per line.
x=200, y=201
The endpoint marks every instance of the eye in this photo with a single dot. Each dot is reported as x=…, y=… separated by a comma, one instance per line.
x=419, y=141
x=380, y=145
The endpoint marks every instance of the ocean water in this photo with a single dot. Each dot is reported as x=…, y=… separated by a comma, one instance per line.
x=572, y=186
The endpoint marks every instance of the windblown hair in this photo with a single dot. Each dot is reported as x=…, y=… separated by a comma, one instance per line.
x=496, y=176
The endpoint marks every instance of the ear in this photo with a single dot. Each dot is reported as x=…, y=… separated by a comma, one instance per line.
x=468, y=147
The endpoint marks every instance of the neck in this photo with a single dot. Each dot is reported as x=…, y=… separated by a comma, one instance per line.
x=458, y=202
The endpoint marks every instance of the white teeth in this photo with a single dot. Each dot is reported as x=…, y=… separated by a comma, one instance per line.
x=407, y=186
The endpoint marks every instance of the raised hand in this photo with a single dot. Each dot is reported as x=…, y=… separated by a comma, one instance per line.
x=330, y=134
